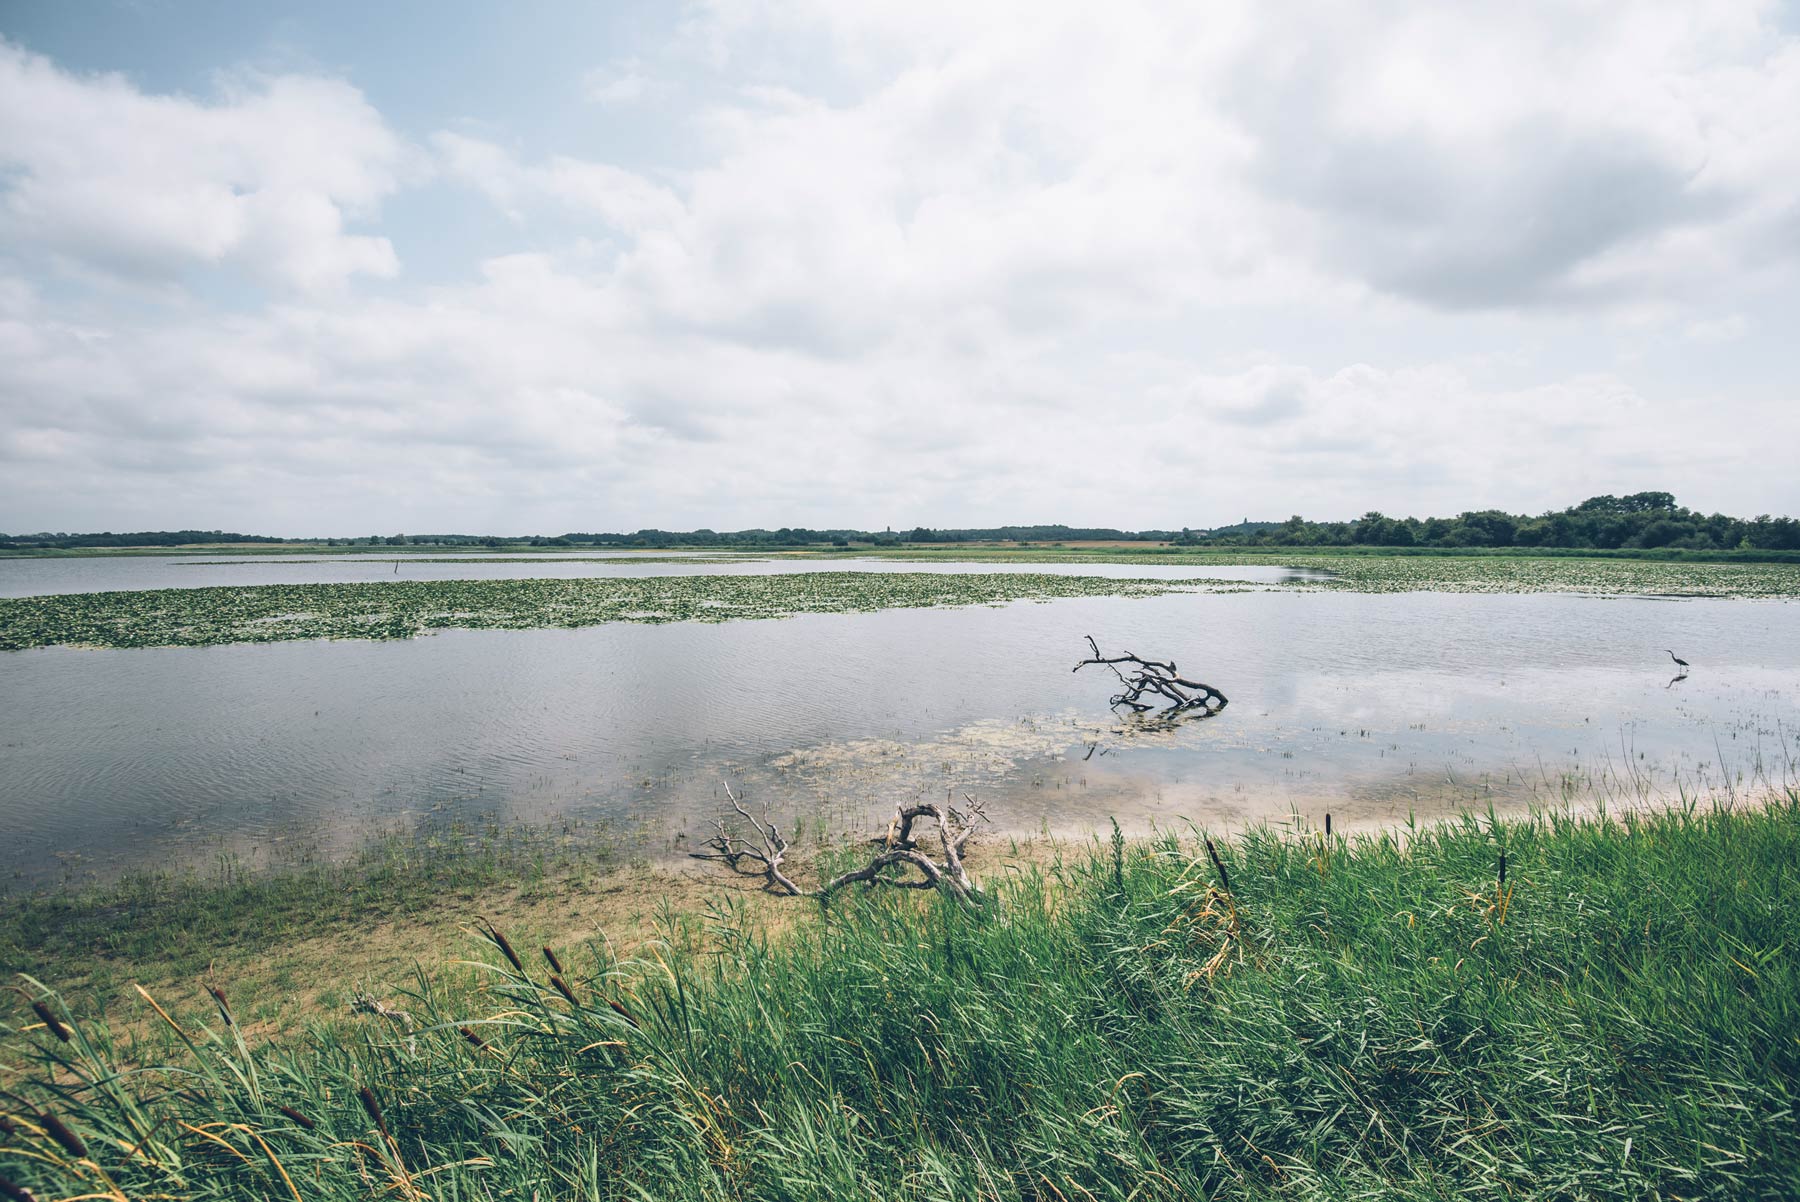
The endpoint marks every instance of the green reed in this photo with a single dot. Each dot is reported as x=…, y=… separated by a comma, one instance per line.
x=1363, y=1016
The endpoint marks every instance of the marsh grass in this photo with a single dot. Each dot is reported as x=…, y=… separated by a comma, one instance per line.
x=1382, y=1018
x=178, y=920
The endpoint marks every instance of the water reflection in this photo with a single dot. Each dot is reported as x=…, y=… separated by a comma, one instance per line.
x=40, y=577
x=1368, y=705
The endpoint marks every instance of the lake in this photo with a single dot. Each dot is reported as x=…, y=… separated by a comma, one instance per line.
x=1369, y=706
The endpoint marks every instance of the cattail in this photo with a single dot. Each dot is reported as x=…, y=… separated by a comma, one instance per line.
x=368, y=1102
x=1503, y=870
x=473, y=1038
x=68, y=1139
x=218, y=996
x=50, y=1021
x=555, y=964
x=17, y=1193
x=297, y=1117
x=1224, y=877
x=562, y=987
x=1328, y=824
x=622, y=1012
x=506, y=949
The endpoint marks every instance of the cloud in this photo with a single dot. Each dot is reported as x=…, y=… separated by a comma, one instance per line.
x=1471, y=156
x=619, y=84
x=1729, y=328
x=1265, y=395
x=147, y=187
x=623, y=200
x=932, y=263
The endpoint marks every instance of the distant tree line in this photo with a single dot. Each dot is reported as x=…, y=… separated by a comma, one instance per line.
x=788, y=536
x=1039, y=534
x=1645, y=520
x=1640, y=521
x=142, y=538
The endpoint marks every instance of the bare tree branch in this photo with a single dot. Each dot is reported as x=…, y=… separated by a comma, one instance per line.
x=898, y=849
x=726, y=846
x=1159, y=678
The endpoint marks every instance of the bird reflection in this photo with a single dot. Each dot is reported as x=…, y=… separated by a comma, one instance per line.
x=1678, y=678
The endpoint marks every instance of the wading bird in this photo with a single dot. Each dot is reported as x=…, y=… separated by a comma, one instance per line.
x=1682, y=662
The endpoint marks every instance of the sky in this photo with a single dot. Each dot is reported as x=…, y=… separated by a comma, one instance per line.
x=346, y=268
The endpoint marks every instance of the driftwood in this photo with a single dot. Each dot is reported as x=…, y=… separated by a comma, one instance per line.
x=762, y=855
x=1161, y=679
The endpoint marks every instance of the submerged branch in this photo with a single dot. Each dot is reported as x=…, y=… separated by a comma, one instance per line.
x=1159, y=678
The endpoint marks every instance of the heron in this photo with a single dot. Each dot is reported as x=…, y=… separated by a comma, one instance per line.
x=1679, y=661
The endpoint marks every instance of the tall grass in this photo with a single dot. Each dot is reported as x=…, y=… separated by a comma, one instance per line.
x=1357, y=1018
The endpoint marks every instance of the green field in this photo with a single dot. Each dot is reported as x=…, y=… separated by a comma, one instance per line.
x=1373, y=1017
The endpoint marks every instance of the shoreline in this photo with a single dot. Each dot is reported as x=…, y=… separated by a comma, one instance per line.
x=300, y=942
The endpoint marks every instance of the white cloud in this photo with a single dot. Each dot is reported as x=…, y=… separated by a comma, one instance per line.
x=149, y=187
x=1729, y=328
x=619, y=84
x=1148, y=267
x=622, y=200
x=1472, y=156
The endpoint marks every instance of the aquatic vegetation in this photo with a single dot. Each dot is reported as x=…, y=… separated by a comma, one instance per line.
x=1533, y=1009
x=1493, y=574
x=482, y=560
x=1368, y=572
x=404, y=608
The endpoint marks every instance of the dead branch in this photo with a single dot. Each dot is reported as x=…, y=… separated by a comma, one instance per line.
x=1160, y=679
x=899, y=849
x=735, y=851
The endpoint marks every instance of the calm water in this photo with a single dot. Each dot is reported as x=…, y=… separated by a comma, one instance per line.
x=38, y=577
x=1367, y=706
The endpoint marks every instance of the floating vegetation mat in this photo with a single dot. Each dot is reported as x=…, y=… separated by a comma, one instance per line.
x=382, y=560
x=195, y=617
x=403, y=608
x=1364, y=573
x=1622, y=577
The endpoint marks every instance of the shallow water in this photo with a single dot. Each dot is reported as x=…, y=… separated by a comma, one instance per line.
x=1364, y=705
x=41, y=577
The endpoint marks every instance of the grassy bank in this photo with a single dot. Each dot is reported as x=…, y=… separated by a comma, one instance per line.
x=179, y=920
x=1356, y=1018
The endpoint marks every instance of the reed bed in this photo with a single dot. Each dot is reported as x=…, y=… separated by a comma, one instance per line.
x=1616, y=1013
